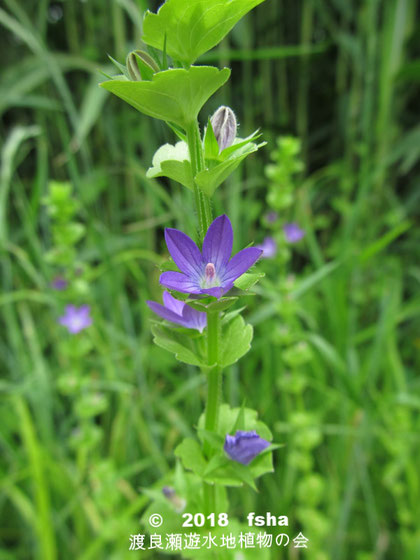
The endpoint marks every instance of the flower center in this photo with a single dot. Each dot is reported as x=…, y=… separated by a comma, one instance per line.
x=210, y=271
x=210, y=278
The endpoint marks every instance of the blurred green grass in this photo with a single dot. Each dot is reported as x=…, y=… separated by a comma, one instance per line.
x=335, y=359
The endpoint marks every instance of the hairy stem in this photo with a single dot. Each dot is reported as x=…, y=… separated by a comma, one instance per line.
x=202, y=202
x=213, y=398
x=213, y=375
x=204, y=213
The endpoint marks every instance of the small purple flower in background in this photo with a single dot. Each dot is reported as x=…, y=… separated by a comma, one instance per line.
x=244, y=446
x=76, y=318
x=271, y=216
x=59, y=283
x=211, y=271
x=293, y=232
x=179, y=312
x=170, y=494
x=268, y=248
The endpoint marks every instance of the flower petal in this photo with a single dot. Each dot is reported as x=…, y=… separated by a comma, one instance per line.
x=173, y=304
x=217, y=245
x=194, y=319
x=165, y=313
x=243, y=447
x=216, y=292
x=240, y=263
x=293, y=232
x=179, y=282
x=184, y=252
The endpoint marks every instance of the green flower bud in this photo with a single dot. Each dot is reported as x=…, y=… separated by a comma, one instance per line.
x=140, y=66
x=223, y=123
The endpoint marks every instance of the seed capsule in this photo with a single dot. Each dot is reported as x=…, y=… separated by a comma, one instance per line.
x=140, y=66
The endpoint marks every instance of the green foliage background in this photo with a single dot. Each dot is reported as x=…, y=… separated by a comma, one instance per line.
x=87, y=422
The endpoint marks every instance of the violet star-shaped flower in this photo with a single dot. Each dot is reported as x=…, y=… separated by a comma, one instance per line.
x=268, y=247
x=243, y=447
x=179, y=312
x=59, y=283
x=210, y=271
x=293, y=232
x=76, y=318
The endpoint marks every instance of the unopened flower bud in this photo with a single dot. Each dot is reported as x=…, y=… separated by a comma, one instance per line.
x=140, y=63
x=224, y=127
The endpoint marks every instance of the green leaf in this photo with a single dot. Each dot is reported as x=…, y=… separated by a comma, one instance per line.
x=218, y=305
x=211, y=147
x=194, y=27
x=173, y=162
x=91, y=404
x=209, y=179
x=179, y=344
x=218, y=461
x=240, y=143
x=120, y=67
x=236, y=341
x=189, y=451
x=216, y=440
x=247, y=280
x=175, y=95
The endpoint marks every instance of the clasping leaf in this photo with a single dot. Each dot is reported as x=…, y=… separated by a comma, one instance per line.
x=174, y=95
x=193, y=27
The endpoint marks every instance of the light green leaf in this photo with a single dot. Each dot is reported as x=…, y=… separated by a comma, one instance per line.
x=193, y=27
x=173, y=162
x=218, y=305
x=179, y=344
x=247, y=280
x=240, y=143
x=209, y=179
x=175, y=95
x=211, y=147
x=236, y=341
x=189, y=451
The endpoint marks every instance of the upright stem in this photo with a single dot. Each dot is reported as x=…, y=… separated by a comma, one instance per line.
x=202, y=202
x=213, y=375
x=213, y=398
x=204, y=212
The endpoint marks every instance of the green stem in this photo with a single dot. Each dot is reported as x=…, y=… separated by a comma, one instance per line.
x=204, y=212
x=213, y=375
x=213, y=398
x=202, y=202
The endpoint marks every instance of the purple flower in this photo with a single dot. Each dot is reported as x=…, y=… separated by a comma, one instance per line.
x=271, y=216
x=59, y=283
x=211, y=271
x=293, y=232
x=244, y=446
x=179, y=312
x=268, y=247
x=76, y=318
